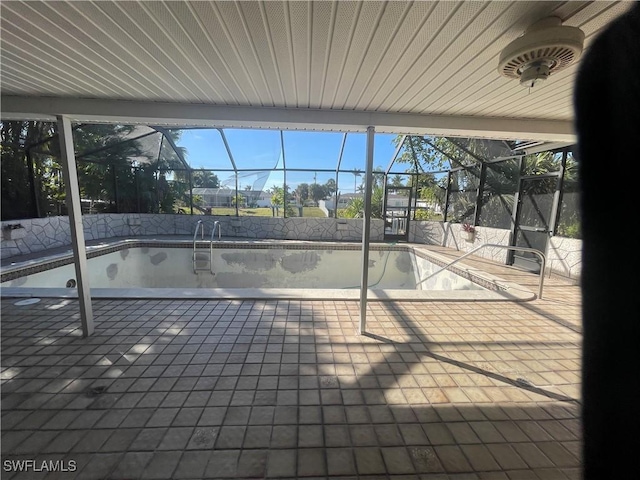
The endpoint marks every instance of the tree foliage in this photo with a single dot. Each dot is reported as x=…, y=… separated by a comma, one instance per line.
x=119, y=170
x=355, y=208
x=278, y=196
x=301, y=193
x=202, y=178
x=425, y=155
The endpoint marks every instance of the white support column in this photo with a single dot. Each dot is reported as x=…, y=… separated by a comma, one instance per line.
x=366, y=231
x=70, y=175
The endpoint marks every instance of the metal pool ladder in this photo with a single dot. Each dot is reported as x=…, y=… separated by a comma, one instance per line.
x=195, y=258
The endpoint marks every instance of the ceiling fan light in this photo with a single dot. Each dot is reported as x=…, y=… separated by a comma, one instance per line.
x=534, y=73
x=545, y=48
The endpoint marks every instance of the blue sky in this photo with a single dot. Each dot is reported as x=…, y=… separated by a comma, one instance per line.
x=262, y=149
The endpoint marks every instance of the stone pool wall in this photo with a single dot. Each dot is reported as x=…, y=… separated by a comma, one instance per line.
x=38, y=234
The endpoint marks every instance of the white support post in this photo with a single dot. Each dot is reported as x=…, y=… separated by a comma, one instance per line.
x=70, y=175
x=366, y=230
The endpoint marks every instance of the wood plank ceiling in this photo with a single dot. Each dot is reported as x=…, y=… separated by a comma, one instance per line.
x=421, y=57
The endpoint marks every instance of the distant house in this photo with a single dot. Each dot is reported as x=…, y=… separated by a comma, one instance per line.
x=223, y=197
x=260, y=198
x=393, y=200
x=343, y=200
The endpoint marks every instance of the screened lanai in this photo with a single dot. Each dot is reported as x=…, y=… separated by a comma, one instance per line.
x=255, y=388
x=202, y=171
x=199, y=162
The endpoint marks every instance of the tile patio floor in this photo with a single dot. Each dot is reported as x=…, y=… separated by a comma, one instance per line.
x=286, y=389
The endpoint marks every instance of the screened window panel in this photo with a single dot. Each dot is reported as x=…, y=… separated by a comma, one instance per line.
x=254, y=149
x=496, y=211
x=544, y=162
x=465, y=180
x=312, y=149
x=569, y=221
x=537, y=203
x=146, y=186
x=202, y=148
x=173, y=191
x=462, y=207
x=97, y=187
x=126, y=195
x=355, y=154
x=501, y=185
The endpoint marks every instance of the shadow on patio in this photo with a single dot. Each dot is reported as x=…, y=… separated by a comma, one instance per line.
x=253, y=389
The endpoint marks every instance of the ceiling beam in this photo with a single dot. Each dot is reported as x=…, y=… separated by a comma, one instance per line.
x=220, y=116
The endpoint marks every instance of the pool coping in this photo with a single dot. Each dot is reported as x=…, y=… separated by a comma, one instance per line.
x=497, y=288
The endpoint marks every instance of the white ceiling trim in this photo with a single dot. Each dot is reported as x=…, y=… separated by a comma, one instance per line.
x=182, y=114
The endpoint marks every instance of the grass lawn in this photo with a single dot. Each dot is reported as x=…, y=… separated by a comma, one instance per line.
x=315, y=212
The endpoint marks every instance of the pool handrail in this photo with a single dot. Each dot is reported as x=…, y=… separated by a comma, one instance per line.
x=216, y=224
x=542, y=256
x=199, y=226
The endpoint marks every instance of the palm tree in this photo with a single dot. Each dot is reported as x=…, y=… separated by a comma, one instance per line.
x=356, y=174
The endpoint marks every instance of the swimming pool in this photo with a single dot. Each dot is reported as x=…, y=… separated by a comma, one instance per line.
x=134, y=268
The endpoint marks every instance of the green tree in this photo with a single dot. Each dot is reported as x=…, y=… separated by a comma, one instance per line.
x=424, y=154
x=238, y=199
x=396, y=181
x=377, y=180
x=202, y=178
x=317, y=192
x=18, y=186
x=113, y=168
x=330, y=187
x=278, y=195
x=301, y=193
x=355, y=208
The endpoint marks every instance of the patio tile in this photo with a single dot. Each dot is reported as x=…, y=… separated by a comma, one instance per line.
x=286, y=389
x=281, y=463
x=506, y=457
x=231, y=437
x=425, y=460
x=369, y=461
x=480, y=458
x=340, y=461
x=257, y=437
x=147, y=440
x=132, y=465
x=120, y=440
x=175, y=438
x=161, y=465
x=100, y=465
x=222, y=464
x=192, y=464
x=397, y=460
x=203, y=438
x=452, y=459
x=252, y=463
x=284, y=436
x=311, y=462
